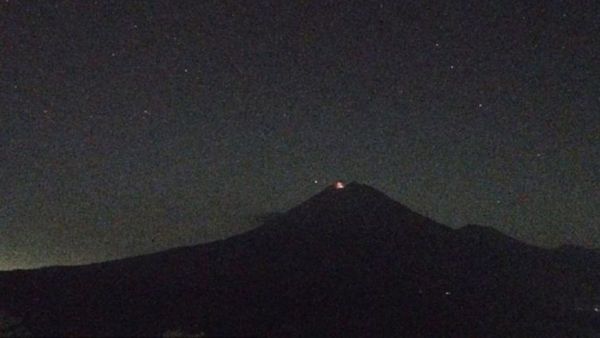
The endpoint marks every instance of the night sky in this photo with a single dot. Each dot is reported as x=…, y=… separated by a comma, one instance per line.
x=128, y=127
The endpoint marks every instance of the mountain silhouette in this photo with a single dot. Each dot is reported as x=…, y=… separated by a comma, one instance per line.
x=347, y=262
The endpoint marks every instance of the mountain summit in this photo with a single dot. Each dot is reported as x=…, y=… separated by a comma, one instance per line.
x=349, y=261
x=348, y=197
x=359, y=212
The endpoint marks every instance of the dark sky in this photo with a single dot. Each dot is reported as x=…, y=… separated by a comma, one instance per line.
x=130, y=126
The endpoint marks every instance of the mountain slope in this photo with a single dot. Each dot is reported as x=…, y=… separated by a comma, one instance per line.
x=349, y=262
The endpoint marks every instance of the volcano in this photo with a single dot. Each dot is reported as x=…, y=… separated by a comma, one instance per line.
x=348, y=261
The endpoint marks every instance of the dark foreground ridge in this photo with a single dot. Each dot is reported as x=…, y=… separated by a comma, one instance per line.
x=347, y=262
